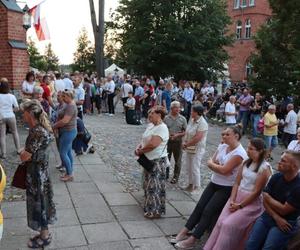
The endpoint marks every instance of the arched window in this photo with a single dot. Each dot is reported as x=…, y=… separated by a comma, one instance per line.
x=248, y=29
x=239, y=29
x=251, y=2
x=236, y=4
x=249, y=69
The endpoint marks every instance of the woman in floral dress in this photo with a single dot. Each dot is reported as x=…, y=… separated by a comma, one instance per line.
x=39, y=194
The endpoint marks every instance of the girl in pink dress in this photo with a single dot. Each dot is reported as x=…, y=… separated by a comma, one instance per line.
x=245, y=203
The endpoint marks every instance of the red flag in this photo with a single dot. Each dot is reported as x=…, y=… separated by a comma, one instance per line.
x=40, y=24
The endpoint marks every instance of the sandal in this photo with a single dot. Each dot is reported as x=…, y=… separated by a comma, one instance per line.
x=174, y=180
x=39, y=242
x=151, y=215
x=181, y=245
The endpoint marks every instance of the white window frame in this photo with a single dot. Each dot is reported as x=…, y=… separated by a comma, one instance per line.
x=248, y=29
x=251, y=2
x=236, y=4
x=238, y=29
x=243, y=3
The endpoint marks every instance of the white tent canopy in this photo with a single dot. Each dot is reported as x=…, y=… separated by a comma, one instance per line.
x=114, y=69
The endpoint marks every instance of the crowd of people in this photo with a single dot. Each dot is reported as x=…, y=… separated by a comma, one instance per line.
x=243, y=187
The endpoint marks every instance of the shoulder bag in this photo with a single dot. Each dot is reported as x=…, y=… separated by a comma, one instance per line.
x=19, y=179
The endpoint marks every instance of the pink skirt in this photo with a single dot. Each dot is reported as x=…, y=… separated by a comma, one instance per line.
x=232, y=229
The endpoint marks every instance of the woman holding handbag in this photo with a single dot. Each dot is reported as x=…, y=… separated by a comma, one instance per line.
x=154, y=151
x=39, y=193
x=194, y=146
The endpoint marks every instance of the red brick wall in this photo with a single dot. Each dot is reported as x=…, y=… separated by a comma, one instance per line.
x=14, y=63
x=241, y=50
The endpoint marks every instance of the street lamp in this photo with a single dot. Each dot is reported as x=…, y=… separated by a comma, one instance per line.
x=26, y=18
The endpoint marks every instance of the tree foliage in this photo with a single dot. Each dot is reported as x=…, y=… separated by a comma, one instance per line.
x=277, y=62
x=183, y=38
x=52, y=61
x=84, y=57
x=36, y=59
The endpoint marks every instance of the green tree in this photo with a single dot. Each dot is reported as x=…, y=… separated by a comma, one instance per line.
x=183, y=38
x=84, y=57
x=36, y=59
x=51, y=59
x=277, y=61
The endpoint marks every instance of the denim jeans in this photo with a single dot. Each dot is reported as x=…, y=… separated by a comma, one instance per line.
x=244, y=118
x=66, y=138
x=266, y=235
x=255, y=119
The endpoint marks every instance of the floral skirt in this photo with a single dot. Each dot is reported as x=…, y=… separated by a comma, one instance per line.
x=155, y=188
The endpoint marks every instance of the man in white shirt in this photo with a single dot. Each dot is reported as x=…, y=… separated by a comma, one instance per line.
x=59, y=84
x=290, y=126
x=110, y=95
x=125, y=89
x=79, y=95
x=230, y=111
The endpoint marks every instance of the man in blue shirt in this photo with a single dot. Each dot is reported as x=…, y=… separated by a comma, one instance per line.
x=188, y=95
x=278, y=223
x=166, y=97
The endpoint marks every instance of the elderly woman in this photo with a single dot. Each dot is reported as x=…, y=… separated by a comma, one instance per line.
x=67, y=130
x=154, y=147
x=38, y=95
x=194, y=144
x=8, y=104
x=295, y=144
x=224, y=164
x=39, y=195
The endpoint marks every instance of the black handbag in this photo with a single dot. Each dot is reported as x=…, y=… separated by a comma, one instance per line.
x=19, y=179
x=146, y=163
x=86, y=136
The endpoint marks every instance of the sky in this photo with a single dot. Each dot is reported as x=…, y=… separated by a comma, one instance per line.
x=65, y=19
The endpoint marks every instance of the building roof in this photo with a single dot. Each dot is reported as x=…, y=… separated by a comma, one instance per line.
x=17, y=44
x=11, y=5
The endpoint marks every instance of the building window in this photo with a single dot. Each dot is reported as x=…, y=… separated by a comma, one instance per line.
x=238, y=29
x=251, y=2
x=248, y=29
x=236, y=4
x=244, y=3
x=249, y=69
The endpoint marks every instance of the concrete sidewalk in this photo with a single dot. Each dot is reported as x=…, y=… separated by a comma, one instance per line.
x=95, y=213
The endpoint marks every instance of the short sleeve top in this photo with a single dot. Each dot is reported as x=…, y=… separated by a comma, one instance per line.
x=7, y=103
x=294, y=145
x=196, y=126
x=70, y=110
x=223, y=157
x=250, y=176
x=162, y=131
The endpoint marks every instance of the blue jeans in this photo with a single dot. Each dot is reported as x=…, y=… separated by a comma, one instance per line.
x=244, y=118
x=266, y=235
x=255, y=119
x=66, y=138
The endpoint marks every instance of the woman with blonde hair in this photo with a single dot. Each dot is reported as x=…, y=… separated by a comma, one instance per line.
x=39, y=193
x=66, y=126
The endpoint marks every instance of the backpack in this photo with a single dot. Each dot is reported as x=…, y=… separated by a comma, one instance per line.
x=261, y=125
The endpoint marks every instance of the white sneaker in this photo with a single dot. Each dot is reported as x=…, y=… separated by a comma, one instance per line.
x=111, y=115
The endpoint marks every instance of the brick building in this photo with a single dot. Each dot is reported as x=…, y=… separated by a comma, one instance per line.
x=247, y=16
x=14, y=59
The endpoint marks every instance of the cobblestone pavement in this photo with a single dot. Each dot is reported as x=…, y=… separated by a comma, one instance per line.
x=101, y=209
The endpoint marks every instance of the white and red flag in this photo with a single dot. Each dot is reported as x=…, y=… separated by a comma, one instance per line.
x=40, y=24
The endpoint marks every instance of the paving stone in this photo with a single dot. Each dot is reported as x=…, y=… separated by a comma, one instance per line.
x=88, y=200
x=75, y=248
x=170, y=226
x=81, y=176
x=177, y=195
x=141, y=229
x=90, y=159
x=60, y=189
x=128, y=213
x=171, y=211
x=98, y=167
x=151, y=244
x=67, y=237
x=104, y=232
x=117, y=245
x=139, y=196
x=62, y=201
x=118, y=199
x=82, y=188
x=102, y=177
x=184, y=207
x=14, y=209
x=16, y=226
x=94, y=214
x=14, y=242
x=110, y=187
x=66, y=217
